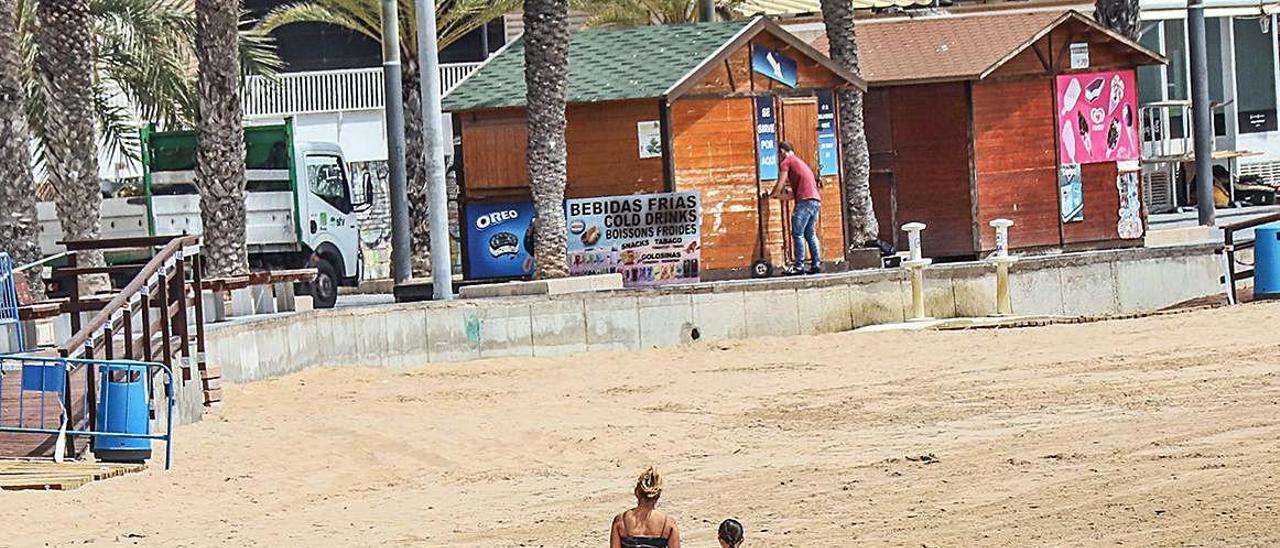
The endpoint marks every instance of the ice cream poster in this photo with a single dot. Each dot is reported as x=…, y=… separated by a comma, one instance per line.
x=1070, y=193
x=651, y=239
x=1098, y=117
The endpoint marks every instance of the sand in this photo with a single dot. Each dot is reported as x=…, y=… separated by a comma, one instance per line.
x=1158, y=431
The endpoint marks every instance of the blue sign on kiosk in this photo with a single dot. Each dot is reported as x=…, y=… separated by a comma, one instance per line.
x=497, y=240
x=766, y=138
x=828, y=157
x=774, y=65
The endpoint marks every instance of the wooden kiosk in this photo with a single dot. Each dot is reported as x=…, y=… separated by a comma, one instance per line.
x=669, y=108
x=971, y=118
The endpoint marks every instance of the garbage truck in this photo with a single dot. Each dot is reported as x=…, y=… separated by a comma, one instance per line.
x=300, y=208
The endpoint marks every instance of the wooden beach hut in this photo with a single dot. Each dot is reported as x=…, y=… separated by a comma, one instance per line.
x=1029, y=116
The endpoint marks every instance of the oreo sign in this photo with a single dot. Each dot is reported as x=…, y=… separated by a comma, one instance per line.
x=497, y=240
x=497, y=217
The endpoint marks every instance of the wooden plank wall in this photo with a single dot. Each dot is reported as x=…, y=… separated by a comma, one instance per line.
x=601, y=140
x=714, y=151
x=1101, y=207
x=928, y=155
x=875, y=109
x=1016, y=160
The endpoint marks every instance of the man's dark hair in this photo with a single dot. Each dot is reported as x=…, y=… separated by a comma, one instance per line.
x=786, y=146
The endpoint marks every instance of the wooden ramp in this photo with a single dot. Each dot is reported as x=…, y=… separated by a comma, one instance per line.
x=47, y=475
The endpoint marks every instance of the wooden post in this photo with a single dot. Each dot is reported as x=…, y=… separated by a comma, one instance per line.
x=146, y=325
x=166, y=344
x=179, y=288
x=197, y=282
x=73, y=302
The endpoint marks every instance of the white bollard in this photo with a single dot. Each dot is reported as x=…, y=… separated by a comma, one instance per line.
x=916, y=263
x=1002, y=260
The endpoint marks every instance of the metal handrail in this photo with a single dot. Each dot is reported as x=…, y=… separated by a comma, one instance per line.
x=146, y=278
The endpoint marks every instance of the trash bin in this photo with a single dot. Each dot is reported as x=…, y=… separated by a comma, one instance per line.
x=123, y=408
x=1266, y=261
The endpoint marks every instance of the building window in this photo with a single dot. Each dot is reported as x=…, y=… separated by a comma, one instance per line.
x=1217, y=90
x=1255, y=77
x=1149, y=80
x=1176, y=89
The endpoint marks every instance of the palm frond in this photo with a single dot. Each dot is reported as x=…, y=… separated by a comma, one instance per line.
x=258, y=54
x=454, y=19
x=144, y=70
x=618, y=13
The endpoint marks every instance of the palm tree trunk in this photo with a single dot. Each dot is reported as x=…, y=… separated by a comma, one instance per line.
x=546, y=72
x=19, y=225
x=65, y=61
x=416, y=165
x=1118, y=15
x=854, y=158
x=220, y=151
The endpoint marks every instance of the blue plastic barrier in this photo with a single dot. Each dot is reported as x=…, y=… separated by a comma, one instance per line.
x=122, y=429
x=9, y=304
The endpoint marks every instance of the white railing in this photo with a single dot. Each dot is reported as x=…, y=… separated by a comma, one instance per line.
x=1167, y=130
x=330, y=91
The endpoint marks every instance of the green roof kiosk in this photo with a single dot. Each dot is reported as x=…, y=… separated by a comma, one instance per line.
x=691, y=109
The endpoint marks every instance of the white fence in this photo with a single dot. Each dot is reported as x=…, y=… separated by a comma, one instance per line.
x=330, y=91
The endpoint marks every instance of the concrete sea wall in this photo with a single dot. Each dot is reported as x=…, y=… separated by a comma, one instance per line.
x=1092, y=283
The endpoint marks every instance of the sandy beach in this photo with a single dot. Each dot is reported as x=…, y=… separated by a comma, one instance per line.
x=1150, y=432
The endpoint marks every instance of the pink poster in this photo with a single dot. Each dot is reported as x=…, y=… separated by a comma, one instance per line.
x=1098, y=117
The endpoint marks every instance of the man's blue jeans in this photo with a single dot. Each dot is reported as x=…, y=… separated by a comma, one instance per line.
x=804, y=228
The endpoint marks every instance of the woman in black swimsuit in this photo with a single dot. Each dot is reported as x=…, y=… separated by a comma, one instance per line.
x=644, y=526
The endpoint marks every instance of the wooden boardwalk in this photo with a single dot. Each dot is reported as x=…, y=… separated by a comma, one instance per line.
x=47, y=475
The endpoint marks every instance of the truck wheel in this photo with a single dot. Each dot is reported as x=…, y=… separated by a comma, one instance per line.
x=324, y=290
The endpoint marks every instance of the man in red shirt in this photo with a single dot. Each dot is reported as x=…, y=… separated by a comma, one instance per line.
x=802, y=186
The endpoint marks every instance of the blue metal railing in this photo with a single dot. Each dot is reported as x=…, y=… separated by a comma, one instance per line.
x=49, y=387
x=9, y=301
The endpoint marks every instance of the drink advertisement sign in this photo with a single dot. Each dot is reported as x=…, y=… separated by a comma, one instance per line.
x=498, y=243
x=651, y=239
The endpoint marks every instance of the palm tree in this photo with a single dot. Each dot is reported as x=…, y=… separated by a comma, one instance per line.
x=546, y=76
x=65, y=62
x=143, y=71
x=1118, y=15
x=220, y=171
x=19, y=228
x=856, y=161
x=605, y=13
x=454, y=19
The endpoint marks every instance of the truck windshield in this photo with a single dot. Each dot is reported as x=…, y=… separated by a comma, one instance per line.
x=328, y=181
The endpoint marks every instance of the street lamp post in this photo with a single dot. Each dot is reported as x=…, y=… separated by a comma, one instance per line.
x=433, y=136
